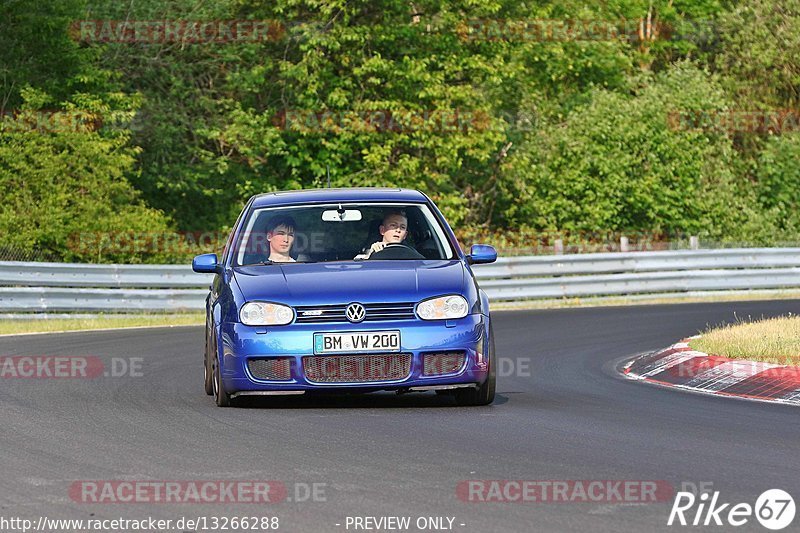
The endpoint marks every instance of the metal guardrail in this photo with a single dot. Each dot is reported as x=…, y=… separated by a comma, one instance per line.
x=614, y=274
x=59, y=287
x=106, y=300
x=81, y=275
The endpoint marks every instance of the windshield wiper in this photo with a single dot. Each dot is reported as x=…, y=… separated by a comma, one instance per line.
x=259, y=263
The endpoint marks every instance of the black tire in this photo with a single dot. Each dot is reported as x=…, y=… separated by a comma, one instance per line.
x=208, y=377
x=221, y=396
x=484, y=394
x=208, y=373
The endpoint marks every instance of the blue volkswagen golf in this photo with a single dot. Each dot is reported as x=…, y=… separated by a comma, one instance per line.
x=358, y=290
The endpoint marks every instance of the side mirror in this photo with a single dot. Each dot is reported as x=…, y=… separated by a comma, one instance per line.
x=481, y=253
x=205, y=263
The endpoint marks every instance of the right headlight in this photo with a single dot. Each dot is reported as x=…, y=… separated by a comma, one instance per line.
x=265, y=314
x=443, y=308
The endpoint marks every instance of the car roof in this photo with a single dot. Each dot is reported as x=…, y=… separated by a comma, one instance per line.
x=352, y=194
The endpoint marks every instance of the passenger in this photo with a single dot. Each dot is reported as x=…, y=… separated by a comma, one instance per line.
x=280, y=235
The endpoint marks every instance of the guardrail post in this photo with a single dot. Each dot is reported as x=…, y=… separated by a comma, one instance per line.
x=623, y=244
x=558, y=247
x=694, y=242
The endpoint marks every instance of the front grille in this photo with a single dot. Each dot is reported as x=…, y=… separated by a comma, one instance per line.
x=442, y=363
x=357, y=368
x=316, y=314
x=274, y=368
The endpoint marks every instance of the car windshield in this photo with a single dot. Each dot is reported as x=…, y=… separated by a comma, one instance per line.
x=341, y=232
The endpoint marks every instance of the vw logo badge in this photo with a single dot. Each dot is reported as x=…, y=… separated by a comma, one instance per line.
x=355, y=313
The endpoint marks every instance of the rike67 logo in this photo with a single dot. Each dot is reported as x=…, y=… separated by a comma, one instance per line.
x=774, y=509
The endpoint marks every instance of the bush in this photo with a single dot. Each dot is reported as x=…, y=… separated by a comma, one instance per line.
x=627, y=163
x=57, y=185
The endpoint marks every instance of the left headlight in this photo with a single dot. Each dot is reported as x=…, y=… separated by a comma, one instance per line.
x=442, y=308
x=265, y=314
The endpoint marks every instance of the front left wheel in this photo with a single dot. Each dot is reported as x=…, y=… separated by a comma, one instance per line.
x=484, y=394
x=221, y=396
x=208, y=374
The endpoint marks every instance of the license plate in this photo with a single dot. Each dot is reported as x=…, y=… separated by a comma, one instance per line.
x=367, y=342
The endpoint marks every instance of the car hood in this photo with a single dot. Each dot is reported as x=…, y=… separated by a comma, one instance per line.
x=337, y=283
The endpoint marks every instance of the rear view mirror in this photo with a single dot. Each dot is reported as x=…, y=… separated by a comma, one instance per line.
x=345, y=215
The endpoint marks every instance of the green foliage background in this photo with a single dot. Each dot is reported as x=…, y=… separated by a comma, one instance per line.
x=558, y=135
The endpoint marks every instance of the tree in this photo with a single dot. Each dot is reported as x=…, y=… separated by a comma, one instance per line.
x=63, y=185
x=634, y=162
x=760, y=52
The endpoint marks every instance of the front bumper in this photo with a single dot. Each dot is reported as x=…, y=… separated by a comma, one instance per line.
x=239, y=343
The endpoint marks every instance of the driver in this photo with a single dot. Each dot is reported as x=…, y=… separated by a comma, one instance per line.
x=393, y=230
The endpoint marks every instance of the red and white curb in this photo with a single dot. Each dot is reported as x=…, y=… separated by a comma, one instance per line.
x=681, y=367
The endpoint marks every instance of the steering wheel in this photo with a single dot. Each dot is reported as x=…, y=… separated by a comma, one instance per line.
x=397, y=250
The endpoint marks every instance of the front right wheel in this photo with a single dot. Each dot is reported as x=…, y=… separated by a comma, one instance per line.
x=221, y=397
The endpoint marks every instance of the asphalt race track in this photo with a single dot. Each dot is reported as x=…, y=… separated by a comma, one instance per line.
x=388, y=455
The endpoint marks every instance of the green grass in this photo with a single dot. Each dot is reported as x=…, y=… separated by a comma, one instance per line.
x=37, y=325
x=774, y=340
